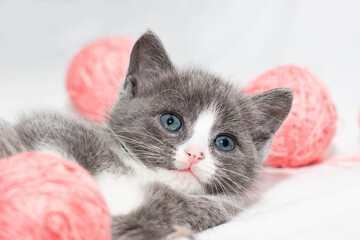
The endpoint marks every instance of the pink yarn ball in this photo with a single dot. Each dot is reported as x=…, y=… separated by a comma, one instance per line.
x=95, y=74
x=311, y=124
x=43, y=197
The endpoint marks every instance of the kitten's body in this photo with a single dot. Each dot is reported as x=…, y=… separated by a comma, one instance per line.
x=151, y=180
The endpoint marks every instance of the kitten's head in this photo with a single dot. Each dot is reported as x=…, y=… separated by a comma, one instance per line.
x=193, y=125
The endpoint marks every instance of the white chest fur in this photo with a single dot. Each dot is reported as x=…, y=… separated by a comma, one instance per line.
x=123, y=193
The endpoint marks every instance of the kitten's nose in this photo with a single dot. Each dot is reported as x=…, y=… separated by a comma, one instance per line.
x=195, y=154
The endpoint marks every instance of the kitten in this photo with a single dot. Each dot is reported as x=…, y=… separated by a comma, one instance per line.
x=182, y=149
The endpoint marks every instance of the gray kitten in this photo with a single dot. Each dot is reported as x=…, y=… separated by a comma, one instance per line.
x=181, y=149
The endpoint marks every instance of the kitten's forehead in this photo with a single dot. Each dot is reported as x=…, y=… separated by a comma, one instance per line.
x=199, y=91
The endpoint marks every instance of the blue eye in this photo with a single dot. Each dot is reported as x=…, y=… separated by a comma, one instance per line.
x=224, y=143
x=171, y=122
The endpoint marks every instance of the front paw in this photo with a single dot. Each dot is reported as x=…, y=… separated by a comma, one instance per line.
x=125, y=228
x=180, y=233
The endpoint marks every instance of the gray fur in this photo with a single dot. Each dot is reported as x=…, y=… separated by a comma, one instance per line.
x=153, y=86
x=166, y=208
x=90, y=144
x=10, y=143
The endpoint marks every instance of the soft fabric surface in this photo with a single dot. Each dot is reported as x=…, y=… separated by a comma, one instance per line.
x=236, y=39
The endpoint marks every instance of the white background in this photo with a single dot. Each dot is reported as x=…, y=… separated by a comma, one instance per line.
x=236, y=39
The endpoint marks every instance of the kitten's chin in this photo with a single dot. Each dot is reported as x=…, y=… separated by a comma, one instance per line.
x=182, y=181
x=195, y=173
x=189, y=180
x=189, y=174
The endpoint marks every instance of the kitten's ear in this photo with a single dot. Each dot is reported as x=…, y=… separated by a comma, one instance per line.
x=148, y=61
x=272, y=107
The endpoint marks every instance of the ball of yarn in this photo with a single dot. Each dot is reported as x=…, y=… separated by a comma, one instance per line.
x=311, y=124
x=43, y=197
x=95, y=74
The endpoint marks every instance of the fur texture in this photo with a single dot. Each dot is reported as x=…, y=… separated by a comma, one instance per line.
x=141, y=166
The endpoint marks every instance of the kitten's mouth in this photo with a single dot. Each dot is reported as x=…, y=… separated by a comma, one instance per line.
x=188, y=170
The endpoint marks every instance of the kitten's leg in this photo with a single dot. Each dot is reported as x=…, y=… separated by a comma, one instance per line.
x=10, y=143
x=68, y=136
x=165, y=209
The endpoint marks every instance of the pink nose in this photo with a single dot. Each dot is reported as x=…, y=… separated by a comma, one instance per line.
x=195, y=154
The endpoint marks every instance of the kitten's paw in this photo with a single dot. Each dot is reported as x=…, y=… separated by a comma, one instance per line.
x=180, y=234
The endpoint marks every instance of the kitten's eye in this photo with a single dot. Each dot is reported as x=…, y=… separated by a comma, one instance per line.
x=171, y=122
x=224, y=143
